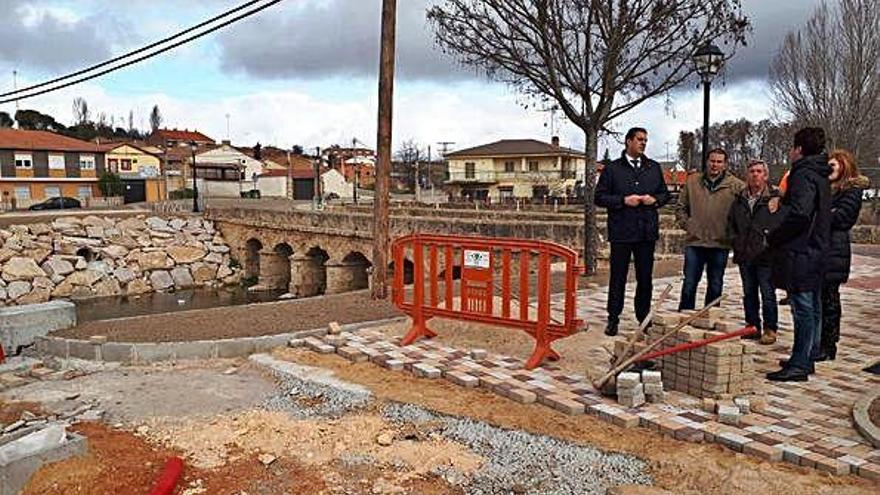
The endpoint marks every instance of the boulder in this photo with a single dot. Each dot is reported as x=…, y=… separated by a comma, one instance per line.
x=19, y=268
x=161, y=280
x=93, y=221
x=124, y=274
x=85, y=278
x=135, y=224
x=182, y=278
x=56, y=279
x=7, y=254
x=43, y=283
x=38, y=254
x=104, y=267
x=153, y=261
x=57, y=266
x=5, y=234
x=82, y=292
x=177, y=223
x=125, y=241
x=36, y=296
x=156, y=223
x=81, y=263
x=17, y=289
x=204, y=272
x=3, y=293
x=94, y=232
x=215, y=248
x=137, y=286
x=39, y=229
x=224, y=271
x=114, y=251
x=108, y=287
x=186, y=254
x=215, y=258
x=64, y=289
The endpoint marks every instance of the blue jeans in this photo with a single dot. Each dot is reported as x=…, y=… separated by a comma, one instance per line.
x=757, y=280
x=806, y=311
x=695, y=258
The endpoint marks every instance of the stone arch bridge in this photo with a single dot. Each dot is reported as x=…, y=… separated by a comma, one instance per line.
x=310, y=252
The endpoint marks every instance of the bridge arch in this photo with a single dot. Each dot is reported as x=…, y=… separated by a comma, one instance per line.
x=252, y=248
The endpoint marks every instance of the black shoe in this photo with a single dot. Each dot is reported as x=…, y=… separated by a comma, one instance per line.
x=784, y=363
x=752, y=336
x=611, y=329
x=783, y=301
x=822, y=356
x=788, y=375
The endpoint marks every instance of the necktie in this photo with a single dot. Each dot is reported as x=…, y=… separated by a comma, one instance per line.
x=635, y=164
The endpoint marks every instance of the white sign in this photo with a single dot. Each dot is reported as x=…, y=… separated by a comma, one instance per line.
x=476, y=259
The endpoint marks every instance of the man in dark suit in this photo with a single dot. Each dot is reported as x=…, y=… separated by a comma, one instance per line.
x=632, y=188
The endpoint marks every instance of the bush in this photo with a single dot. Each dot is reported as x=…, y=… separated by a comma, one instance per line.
x=110, y=185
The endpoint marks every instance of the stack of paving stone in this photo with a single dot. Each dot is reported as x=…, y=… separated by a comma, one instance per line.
x=634, y=389
x=719, y=370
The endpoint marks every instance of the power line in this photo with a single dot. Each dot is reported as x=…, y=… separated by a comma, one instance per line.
x=138, y=59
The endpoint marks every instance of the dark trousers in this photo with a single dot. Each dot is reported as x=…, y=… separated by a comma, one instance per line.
x=831, y=313
x=806, y=311
x=714, y=260
x=642, y=253
x=757, y=281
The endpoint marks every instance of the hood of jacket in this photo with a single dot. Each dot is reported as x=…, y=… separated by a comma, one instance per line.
x=859, y=182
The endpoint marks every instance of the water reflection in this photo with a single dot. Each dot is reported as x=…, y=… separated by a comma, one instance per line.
x=107, y=308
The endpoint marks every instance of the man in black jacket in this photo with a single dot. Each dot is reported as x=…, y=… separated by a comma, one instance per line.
x=752, y=216
x=632, y=188
x=801, y=246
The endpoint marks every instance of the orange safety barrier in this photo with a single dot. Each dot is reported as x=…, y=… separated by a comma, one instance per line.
x=485, y=264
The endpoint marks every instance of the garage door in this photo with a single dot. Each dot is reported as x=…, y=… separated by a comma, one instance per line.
x=303, y=188
x=134, y=191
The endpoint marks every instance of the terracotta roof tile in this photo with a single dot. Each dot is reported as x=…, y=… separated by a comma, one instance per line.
x=178, y=135
x=513, y=147
x=17, y=139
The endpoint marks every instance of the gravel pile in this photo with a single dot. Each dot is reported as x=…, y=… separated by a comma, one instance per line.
x=519, y=462
x=309, y=400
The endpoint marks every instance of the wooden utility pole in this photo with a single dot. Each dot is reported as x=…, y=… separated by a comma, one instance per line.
x=381, y=237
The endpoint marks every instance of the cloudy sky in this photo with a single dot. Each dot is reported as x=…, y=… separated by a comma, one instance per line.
x=304, y=72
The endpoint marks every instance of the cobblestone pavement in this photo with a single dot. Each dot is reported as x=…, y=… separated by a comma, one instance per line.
x=807, y=424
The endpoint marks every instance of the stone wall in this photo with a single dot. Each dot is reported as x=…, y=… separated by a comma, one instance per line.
x=81, y=257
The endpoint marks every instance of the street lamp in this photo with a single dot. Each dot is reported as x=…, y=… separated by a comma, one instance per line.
x=708, y=60
x=192, y=147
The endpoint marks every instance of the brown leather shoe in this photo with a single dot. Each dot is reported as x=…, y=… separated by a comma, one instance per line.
x=768, y=337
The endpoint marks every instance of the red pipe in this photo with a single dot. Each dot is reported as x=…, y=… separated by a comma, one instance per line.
x=698, y=343
x=170, y=476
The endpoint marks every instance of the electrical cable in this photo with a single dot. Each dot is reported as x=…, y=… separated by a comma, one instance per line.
x=136, y=60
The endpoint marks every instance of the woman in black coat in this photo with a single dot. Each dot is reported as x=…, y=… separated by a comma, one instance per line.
x=846, y=202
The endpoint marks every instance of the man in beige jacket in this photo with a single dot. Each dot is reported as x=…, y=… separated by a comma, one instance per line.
x=701, y=211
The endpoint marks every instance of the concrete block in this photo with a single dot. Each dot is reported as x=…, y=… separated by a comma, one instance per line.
x=266, y=343
x=649, y=376
x=151, y=353
x=199, y=349
x=638, y=389
x=83, y=349
x=632, y=400
x=627, y=380
x=117, y=352
x=15, y=473
x=21, y=325
x=57, y=347
x=229, y=348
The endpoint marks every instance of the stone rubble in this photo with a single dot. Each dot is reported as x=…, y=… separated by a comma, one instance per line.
x=92, y=256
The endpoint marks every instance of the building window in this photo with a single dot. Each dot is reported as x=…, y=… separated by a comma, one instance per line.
x=56, y=162
x=52, y=192
x=24, y=160
x=84, y=192
x=533, y=166
x=470, y=170
x=505, y=192
x=22, y=192
x=125, y=164
x=87, y=162
x=113, y=164
x=509, y=166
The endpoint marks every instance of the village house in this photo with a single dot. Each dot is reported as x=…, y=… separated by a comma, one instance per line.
x=170, y=138
x=37, y=165
x=140, y=168
x=514, y=168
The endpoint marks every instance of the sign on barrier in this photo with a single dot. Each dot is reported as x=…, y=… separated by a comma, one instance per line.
x=497, y=281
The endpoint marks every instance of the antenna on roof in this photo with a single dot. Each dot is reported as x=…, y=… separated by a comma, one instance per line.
x=444, y=147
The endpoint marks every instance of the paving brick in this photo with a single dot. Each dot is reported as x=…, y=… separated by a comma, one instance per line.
x=521, y=395
x=563, y=405
x=628, y=380
x=649, y=376
x=763, y=451
x=624, y=419
x=462, y=379
x=734, y=441
x=870, y=471
x=833, y=466
x=632, y=400
x=352, y=354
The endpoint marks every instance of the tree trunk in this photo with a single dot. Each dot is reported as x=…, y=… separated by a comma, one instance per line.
x=381, y=236
x=591, y=233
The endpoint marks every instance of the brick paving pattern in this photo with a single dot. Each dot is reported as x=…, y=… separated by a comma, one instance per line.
x=806, y=424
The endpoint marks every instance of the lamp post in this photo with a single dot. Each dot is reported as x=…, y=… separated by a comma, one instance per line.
x=708, y=60
x=192, y=147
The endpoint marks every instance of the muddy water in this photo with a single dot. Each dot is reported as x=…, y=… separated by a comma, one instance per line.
x=108, y=308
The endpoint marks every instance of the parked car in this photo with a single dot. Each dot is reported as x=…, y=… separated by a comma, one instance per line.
x=57, y=204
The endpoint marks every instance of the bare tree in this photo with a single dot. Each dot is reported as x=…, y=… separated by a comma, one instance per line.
x=155, y=118
x=131, y=123
x=687, y=149
x=828, y=74
x=81, y=113
x=595, y=59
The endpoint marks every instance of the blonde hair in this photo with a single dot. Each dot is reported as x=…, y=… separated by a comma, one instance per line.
x=849, y=171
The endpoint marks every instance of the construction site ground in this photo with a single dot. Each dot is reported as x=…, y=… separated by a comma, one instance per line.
x=302, y=422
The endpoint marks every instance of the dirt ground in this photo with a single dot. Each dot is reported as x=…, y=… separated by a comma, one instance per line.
x=680, y=467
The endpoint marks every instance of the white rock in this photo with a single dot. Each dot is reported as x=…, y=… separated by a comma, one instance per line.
x=102, y=266
x=124, y=274
x=86, y=278
x=17, y=289
x=95, y=232
x=182, y=278
x=177, y=223
x=224, y=271
x=156, y=223
x=219, y=249
x=161, y=280
x=215, y=258
x=81, y=264
x=115, y=251
x=57, y=266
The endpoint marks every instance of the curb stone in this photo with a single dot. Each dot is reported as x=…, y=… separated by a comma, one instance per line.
x=862, y=420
